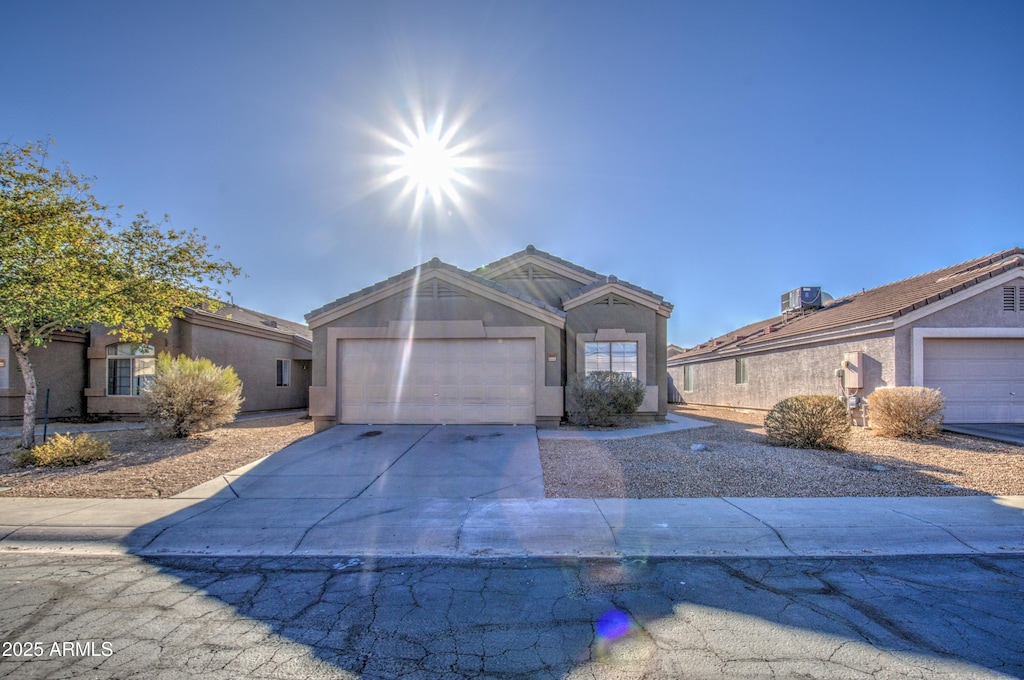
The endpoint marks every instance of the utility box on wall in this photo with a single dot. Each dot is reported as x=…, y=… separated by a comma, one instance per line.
x=853, y=370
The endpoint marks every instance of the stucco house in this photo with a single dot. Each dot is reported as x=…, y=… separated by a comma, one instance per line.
x=439, y=344
x=959, y=329
x=93, y=373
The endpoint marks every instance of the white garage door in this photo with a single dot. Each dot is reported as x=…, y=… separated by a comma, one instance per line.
x=437, y=381
x=982, y=379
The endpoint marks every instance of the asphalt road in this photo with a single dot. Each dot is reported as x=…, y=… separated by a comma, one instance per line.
x=125, y=617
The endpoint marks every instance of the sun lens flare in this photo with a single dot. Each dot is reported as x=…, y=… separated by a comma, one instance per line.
x=429, y=162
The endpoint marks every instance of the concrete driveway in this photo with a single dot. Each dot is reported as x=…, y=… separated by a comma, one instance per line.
x=1012, y=433
x=407, y=461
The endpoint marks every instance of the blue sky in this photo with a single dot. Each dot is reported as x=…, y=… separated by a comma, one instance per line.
x=718, y=153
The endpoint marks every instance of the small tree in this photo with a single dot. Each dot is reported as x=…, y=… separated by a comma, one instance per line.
x=64, y=263
x=188, y=396
x=603, y=397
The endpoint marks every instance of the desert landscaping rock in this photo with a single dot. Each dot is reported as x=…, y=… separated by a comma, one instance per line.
x=730, y=459
x=744, y=465
x=143, y=465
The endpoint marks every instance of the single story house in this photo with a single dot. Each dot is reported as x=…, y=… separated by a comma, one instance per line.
x=439, y=344
x=959, y=329
x=92, y=373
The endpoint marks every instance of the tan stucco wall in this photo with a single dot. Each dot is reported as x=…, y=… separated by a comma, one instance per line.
x=60, y=366
x=984, y=310
x=399, y=308
x=384, y=317
x=550, y=290
x=772, y=377
x=585, y=323
x=251, y=355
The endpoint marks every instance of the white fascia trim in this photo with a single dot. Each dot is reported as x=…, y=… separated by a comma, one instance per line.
x=958, y=297
x=532, y=258
x=455, y=280
x=618, y=289
x=874, y=328
x=919, y=335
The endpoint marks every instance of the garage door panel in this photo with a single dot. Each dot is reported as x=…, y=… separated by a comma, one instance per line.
x=445, y=381
x=981, y=378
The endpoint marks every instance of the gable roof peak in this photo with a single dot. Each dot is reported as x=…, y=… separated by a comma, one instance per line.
x=436, y=266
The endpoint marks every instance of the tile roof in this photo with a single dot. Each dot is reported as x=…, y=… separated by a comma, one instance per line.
x=884, y=302
x=602, y=279
x=532, y=250
x=435, y=264
x=250, y=317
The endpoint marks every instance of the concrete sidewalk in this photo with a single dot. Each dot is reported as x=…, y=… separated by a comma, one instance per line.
x=393, y=526
x=353, y=490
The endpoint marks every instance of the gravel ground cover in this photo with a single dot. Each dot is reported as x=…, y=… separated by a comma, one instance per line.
x=738, y=462
x=143, y=465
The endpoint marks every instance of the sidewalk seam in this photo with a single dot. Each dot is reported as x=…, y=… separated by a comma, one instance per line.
x=937, y=526
x=774, y=530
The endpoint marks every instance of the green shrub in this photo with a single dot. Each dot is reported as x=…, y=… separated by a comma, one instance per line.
x=912, y=412
x=187, y=396
x=815, y=421
x=603, y=398
x=63, y=450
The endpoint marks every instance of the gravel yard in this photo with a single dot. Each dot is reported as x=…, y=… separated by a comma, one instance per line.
x=142, y=465
x=738, y=462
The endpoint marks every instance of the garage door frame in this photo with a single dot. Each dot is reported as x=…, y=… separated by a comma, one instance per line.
x=919, y=335
x=548, y=399
x=466, y=389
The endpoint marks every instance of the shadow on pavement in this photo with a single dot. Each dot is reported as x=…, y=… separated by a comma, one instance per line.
x=431, y=615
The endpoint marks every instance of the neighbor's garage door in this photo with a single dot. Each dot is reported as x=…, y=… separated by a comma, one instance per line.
x=437, y=381
x=982, y=379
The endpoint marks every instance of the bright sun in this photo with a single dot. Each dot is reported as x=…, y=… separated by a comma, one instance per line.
x=429, y=163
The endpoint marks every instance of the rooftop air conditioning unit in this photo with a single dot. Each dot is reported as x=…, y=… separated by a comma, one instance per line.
x=798, y=299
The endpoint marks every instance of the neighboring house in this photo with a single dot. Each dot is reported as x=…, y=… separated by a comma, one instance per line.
x=94, y=374
x=958, y=329
x=438, y=344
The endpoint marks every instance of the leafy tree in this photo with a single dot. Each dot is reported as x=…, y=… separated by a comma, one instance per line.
x=65, y=263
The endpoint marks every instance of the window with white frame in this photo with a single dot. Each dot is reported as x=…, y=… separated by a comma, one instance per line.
x=284, y=372
x=687, y=378
x=129, y=369
x=618, y=357
x=741, y=371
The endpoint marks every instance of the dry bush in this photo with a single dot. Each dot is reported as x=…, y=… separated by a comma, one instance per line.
x=603, y=398
x=64, y=451
x=913, y=412
x=188, y=396
x=814, y=421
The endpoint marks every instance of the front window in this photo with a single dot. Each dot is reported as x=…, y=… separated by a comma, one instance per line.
x=129, y=369
x=618, y=357
x=284, y=371
x=687, y=378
